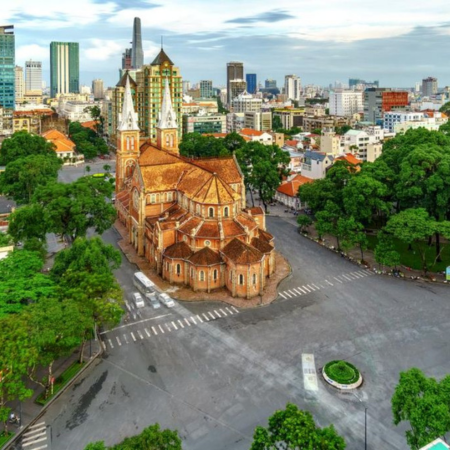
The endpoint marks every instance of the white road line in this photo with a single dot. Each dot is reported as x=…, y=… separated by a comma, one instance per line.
x=217, y=314
x=301, y=290
x=347, y=278
x=295, y=290
x=187, y=321
x=36, y=425
x=356, y=274
x=199, y=318
x=125, y=338
x=176, y=328
x=118, y=341
x=181, y=323
x=140, y=334
x=206, y=317
x=282, y=296
x=318, y=288
x=148, y=334
x=154, y=331
x=309, y=372
x=135, y=323
x=293, y=293
x=110, y=343
x=127, y=305
x=331, y=284
x=134, y=316
x=235, y=309
x=310, y=287
x=193, y=320
x=363, y=273
x=212, y=316
x=287, y=293
x=168, y=328
x=161, y=328
x=31, y=437
x=132, y=335
x=223, y=312
x=337, y=279
x=305, y=288
x=104, y=345
x=229, y=310
x=35, y=442
x=41, y=447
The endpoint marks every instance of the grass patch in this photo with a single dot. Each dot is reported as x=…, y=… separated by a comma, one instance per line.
x=4, y=438
x=342, y=372
x=60, y=382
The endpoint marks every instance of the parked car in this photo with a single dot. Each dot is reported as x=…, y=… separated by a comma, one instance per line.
x=151, y=297
x=164, y=298
x=138, y=300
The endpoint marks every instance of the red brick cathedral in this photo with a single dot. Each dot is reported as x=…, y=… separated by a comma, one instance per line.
x=188, y=216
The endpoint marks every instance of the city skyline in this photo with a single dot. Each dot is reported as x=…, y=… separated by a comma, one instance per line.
x=347, y=40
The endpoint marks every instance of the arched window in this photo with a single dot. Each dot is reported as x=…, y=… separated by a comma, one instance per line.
x=132, y=142
x=178, y=269
x=202, y=276
x=215, y=275
x=211, y=212
x=226, y=211
x=241, y=279
x=254, y=278
x=153, y=198
x=169, y=196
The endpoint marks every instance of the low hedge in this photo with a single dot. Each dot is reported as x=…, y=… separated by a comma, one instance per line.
x=342, y=372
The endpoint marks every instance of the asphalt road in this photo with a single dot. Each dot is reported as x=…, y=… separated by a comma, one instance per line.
x=215, y=380
x=71, y=173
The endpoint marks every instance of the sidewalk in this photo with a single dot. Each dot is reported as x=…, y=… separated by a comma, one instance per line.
x=186, y=294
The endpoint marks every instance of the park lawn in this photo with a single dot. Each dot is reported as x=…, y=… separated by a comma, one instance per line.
x=4, y=438
x=412, y=259
x=61, y=381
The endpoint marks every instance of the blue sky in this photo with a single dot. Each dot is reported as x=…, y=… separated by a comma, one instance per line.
x=398, y=42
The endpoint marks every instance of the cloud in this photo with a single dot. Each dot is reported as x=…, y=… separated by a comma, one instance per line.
x=103, y=50
x=32, y=51
x=270, y=17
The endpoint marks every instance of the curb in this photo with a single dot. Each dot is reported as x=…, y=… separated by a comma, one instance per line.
x=342, y=387
x=17, y=436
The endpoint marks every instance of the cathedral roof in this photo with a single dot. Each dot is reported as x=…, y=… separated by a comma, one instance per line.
x=167, y=117
x=226, y=167
x=180, y=250
x=215, y=191
x=261, y=245
x=128, y=119
x=161, y=58
x=241, y=253
x=122, y=82
x=205, y=257
x=265, y=235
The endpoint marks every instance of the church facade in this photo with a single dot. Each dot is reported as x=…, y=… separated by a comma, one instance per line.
x=188, y=217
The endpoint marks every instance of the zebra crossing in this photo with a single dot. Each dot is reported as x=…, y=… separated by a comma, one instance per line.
x=312, y=287
x=120, y=336
x=35, y=438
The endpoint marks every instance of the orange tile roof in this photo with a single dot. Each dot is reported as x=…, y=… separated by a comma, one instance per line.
x=179, y=250
x=262, y=245
x=226, y=167
x=350, y=158
x=265, y=235
x=256, y=211
x=209, y=230
x=92, y=124
x=291, y=143
x=241, y=253
x=205, y=257
x=190, y=224
x=215, y=191
x=61, y=142
x=250, y=132
x=246, y=220
x=232, y=229
x=291, y=187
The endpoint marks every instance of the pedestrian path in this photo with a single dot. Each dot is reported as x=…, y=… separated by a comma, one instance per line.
x=144, y=330
x=312, y=287
x=35, y=437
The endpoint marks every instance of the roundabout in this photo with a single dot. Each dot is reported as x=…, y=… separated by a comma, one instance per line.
x=342, y=375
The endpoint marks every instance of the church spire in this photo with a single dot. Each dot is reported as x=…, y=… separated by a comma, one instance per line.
x=128, y=118
x=167, y=118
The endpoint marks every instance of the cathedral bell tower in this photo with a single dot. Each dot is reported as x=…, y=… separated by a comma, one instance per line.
x=167, y=128
x=127, y=139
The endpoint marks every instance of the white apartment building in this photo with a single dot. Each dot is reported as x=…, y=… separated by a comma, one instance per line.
x=235, y=122
x=315, y=164
x=33, y=76
x=331, y=143
x=430, y=123
x=345, y=103
x=392, y=118
x=357, y=142
x=292, y=87
x=246, y=103
x=76, y=111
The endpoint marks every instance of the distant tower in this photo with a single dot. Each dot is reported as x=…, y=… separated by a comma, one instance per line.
x=64, y=68
x=235, y=71
x=137, y=52
x=127, y=139
x=167, y=128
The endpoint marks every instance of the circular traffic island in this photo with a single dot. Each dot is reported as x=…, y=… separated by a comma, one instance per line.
x=342, y=375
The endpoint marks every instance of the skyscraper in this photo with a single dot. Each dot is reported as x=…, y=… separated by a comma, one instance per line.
x=251, y=83
x=270, y=83
x=126, y=59
x=7, y=67
x=97, y=88
x=235, y=71
x=19, y=84
x=292, y=87
x=429, y=86
x=206, y=89
x=33, y=76
x=137, y=52
x=64, y=68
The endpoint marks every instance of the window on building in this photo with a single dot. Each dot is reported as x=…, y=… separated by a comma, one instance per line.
x=169, y=196
x=215, y=275
x=153, y=198
x=192, y=273
x=202, y=276
x=241, y=279
x=254, y=278
x=226, y=211
x=167, y=266
x=178, y=269
x=211, y=212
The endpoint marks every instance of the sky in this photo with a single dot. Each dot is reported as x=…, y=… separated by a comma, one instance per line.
x=398, y=42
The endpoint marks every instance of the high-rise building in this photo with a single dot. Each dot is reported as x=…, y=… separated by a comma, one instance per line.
x=354, y=82
x=137, y=52
x=429, y=86
x=237, y=87
x=33, y=76
x=292, y=87
x=126, y=59
x=377, y=101
x=186, y=86
x=270, y=84
x=206, y=89
x=64, y=68
x=235, y=71
x=19, y=84
x=246, y=103
x=97, y=88
x=344, y=102
x=7, y=67
x=250, y=78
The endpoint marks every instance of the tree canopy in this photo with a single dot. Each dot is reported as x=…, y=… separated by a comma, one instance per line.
x=87, y=140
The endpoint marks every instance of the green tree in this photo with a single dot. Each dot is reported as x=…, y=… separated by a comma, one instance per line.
x=22, y=176
x=220, y=108
x=385, y=253
x=413, y=226
x=233, y=141
x=304, y=222
x=276, y=123
x=22, y=144
x=342, y=130
x=425, y=404
x=197, y=145
x=28, y=222
x=445, y=108
x=317, y=193
x=293, y=429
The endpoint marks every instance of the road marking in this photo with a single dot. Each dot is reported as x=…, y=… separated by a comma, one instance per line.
x=148, y=334
x=161, y=328
x=41, y=447
x=118, y=341
x=287, y=293
x=125, y=337
x=282, y=296
x=35, y=442
x=305, y=288
x=199, y=318
x=173, y=323
x=37, y=434
x=363, y=273
x=181, y=323
x=295, y=290
x=293, y=293
x=168, y=328
x=235, y=309
x=140, y=334
x=223, y=312
x=128, y=306
x=110, y=343
x=309, y=372
x=358, y=275
x=134, y=316
x=318, y=288
x=132, y=335
x=301, y=290
x=187, y=321
x=311, y=287
x=331, y=284
x=104, y=345
x=212, y=316
x=347, y=278
x=36, y=425
x=193, y=320
x=217, y=314
x=206, y=317
x=154, y=331
x=337, y=279
x=135, y=323
x=229, y=310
